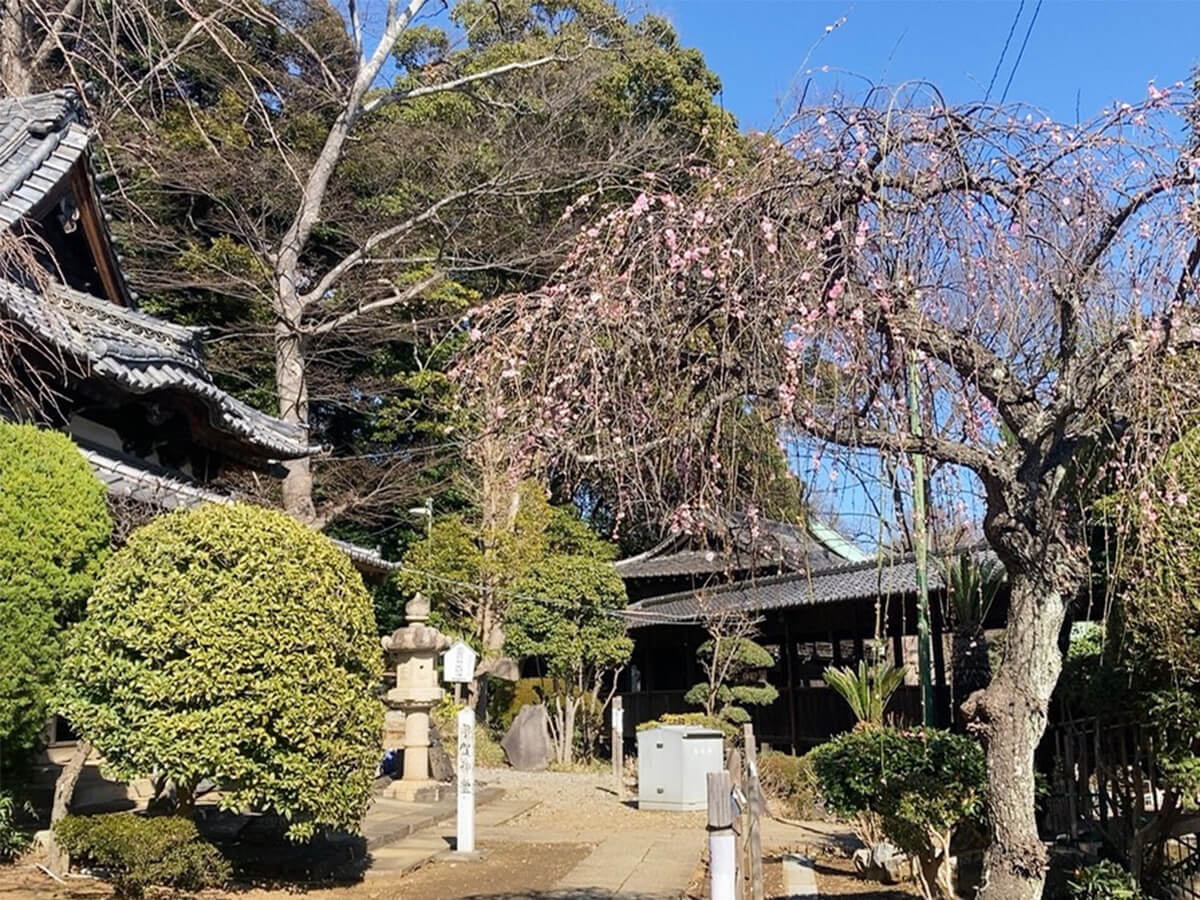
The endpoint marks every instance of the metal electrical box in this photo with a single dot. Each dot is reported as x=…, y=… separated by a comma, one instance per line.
x=673, y=762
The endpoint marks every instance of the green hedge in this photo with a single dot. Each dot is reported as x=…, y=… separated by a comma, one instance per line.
x=141, y=852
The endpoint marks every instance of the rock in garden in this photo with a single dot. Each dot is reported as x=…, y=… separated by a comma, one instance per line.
x=527, y=744
x=441, y=766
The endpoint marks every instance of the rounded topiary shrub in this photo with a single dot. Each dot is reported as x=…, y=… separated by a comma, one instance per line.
x=54, y=533
x=235, y=644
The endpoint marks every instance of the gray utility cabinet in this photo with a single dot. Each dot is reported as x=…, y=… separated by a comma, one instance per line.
x=673, y=762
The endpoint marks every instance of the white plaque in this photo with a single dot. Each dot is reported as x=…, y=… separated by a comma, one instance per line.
x=459, y=662
x=618, y=719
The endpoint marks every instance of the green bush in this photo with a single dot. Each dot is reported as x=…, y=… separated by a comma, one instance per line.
x=141, y=852
x=921, y=783
x=791, y=781
x=54, y=533
x=1103, y=881
x=488, y=752
x=234, y=643
x=13, y=840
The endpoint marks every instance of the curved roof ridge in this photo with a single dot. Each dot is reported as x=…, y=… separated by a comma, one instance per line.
x=144, y=354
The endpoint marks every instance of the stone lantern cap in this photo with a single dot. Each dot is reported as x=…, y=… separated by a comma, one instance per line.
x=416, y=636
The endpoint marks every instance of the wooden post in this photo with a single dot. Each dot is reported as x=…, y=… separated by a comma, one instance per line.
x=722, y=855
x=789, y=653
x=753, y=833
x=618, y=746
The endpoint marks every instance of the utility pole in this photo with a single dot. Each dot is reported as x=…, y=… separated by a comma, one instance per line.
x=920, y=551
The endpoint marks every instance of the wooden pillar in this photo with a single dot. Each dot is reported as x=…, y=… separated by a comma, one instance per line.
x=789, y=652
x=618, y=746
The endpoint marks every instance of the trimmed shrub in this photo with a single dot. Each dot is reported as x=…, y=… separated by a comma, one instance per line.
x=921, y=783
x=791, y=781
x=141, y=852
x=236, y=644
x=1103, y=881
x=54, y=533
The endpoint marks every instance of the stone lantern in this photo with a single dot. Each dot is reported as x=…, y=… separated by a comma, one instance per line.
x=415, y=648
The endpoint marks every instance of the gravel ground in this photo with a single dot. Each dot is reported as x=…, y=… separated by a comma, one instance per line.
x=585, y=800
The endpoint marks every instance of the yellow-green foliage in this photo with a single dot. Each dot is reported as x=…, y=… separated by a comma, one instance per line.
x=791, y=781
x=139, y=852
x=54, y=533
x=234, y=643
x=488, y=752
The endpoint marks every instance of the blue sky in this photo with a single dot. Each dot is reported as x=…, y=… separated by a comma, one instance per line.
x=1100, y=51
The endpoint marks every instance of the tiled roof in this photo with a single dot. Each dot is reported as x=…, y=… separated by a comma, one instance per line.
x=142, y=355
x=41, y=138
x=763, y=544
x=832, y=584
x=124, y=477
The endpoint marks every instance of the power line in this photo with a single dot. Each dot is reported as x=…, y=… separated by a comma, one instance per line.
x=1003, y=53
x=1028, y=31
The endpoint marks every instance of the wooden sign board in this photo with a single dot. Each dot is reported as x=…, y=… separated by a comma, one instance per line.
x=459, y=662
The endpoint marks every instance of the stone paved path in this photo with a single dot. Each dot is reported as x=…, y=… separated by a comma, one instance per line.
x=638, y=863
x=648, y=865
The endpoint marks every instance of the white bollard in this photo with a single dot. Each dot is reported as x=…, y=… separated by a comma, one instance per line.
x=722, y=857
x=466, y=781
x=722, y=842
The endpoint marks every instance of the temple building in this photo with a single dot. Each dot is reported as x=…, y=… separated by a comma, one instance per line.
x=132, y=390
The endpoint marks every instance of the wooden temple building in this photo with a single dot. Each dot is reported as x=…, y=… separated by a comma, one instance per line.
x=819, y=601
x=132, y=390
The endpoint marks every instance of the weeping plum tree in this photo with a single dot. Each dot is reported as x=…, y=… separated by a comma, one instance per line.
x=1019, y=273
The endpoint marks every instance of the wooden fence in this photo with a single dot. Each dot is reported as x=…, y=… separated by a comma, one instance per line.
x=1107, y=783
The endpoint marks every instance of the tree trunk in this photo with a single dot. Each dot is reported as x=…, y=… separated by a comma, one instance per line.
x=936, y=877
x=58, y=860
x=291, y=384
x=568, y=733
x=1010, y=717
x=15, y=78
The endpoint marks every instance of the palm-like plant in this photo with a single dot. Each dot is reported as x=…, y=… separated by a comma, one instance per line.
x=868, y=690
x=972, y=586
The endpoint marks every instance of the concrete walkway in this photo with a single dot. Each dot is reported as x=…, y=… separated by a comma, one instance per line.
x=430, y=833
x=641, y=864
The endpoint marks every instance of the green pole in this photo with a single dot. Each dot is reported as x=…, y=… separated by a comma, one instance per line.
x=921, y=552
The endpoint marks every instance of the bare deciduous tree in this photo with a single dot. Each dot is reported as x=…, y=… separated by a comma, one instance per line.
x=1025, y=272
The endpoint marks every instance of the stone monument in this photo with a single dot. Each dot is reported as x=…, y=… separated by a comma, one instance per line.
x=415, y=648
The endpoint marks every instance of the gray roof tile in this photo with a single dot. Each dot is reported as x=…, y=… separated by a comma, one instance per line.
x=126, y=477
x=39, y=133
x=830, y=584
x=144, y=354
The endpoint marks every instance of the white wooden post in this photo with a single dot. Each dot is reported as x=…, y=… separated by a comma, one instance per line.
x=722, y=844
x=618, y=746
x=466, y=781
